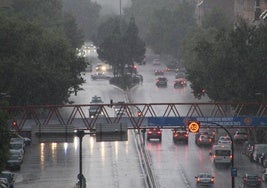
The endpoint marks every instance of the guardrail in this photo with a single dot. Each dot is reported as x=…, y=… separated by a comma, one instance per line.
x=150, y=180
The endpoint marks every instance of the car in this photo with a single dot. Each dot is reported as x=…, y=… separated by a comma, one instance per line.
x=205, y=178
x=251, y=180
x=248, y=148
x=179, y=75
x=180, y=134
x=264, y=176
x=258, y=149
x=14, y=162
x=162, y=81
x=16, y=152
x=224, y=140
x=18, y=146
x=240, y=136
x=10, y=176
x=96, y=99
x=154, y=133
x=210, y=132
x=204, y=140
x=100, y=76
x=180, y=83
x=159, y=72
x=156, y=62
x=17, y=139
x=95, y=109
x=4, y=183
x=262, y=157
x=119, y=105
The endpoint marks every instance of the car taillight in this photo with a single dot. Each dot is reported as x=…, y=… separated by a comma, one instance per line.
x=231, y=156
x=259, y=179
x=149, y=132
x=212, y=179
x=159, y=132
x=198, y=179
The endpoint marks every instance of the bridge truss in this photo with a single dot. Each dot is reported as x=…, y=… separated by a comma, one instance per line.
x=135, y=112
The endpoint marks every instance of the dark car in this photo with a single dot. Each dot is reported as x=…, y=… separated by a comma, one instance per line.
x=180, y=135
x=180, y=75
x=159, y=72
x=251, y=180
x=209, y=132
x=154, y=133
x=14, y=162
x=10, y=176
x=240, y=136
x=204, y=140
x=161, y=82
x=180, y=83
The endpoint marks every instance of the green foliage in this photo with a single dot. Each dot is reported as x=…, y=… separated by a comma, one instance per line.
x=230, y=66
x=4, y=136
x=163, y=24
x=49, y=15
x=216, y=18
x=36, y=67
x=121, y=46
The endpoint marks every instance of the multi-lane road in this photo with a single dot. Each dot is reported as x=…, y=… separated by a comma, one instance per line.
x=117, y=164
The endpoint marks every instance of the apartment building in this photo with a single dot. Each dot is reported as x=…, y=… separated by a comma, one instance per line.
x=251, y=10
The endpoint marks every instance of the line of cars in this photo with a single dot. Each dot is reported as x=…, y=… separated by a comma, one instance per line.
x=162, y=81
x=17, y=146
x=179, y=134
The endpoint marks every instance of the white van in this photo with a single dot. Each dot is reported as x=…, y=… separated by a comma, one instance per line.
x=221, y=154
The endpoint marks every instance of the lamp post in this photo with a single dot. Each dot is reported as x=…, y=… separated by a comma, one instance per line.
x=80, y=134
x=232, y=148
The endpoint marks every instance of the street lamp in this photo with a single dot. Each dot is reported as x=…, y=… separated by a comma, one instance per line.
x=80, y=134
x=232, y=148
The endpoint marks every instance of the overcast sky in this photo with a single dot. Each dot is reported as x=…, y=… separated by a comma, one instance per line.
x=112, y=6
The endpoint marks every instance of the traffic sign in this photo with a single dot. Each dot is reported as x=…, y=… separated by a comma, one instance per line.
x=234, y=172
x=193, y=126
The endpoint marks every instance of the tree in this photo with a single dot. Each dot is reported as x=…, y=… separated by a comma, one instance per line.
x=120, y=47
x=228, y=65
x=169, y=28
x=4, y=135
x=49, y=15
x=36, y=67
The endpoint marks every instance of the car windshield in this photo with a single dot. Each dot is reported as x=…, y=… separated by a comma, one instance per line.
x=242, y=133
x=13, y=157
x=16, y=146
x=252, y=177
x=162, y=79
x=96, y=99
x=222, y=152
x=205, y=176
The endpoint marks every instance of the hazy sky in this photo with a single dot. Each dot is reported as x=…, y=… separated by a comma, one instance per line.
x=112, y=6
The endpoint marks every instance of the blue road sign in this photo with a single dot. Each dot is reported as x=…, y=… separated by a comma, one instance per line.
x=233, y=172
x=224, y=121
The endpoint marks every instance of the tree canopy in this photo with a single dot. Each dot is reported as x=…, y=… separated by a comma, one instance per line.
x=38, y=64
x=120, y=44
x=163, y=24
x=227, y=65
